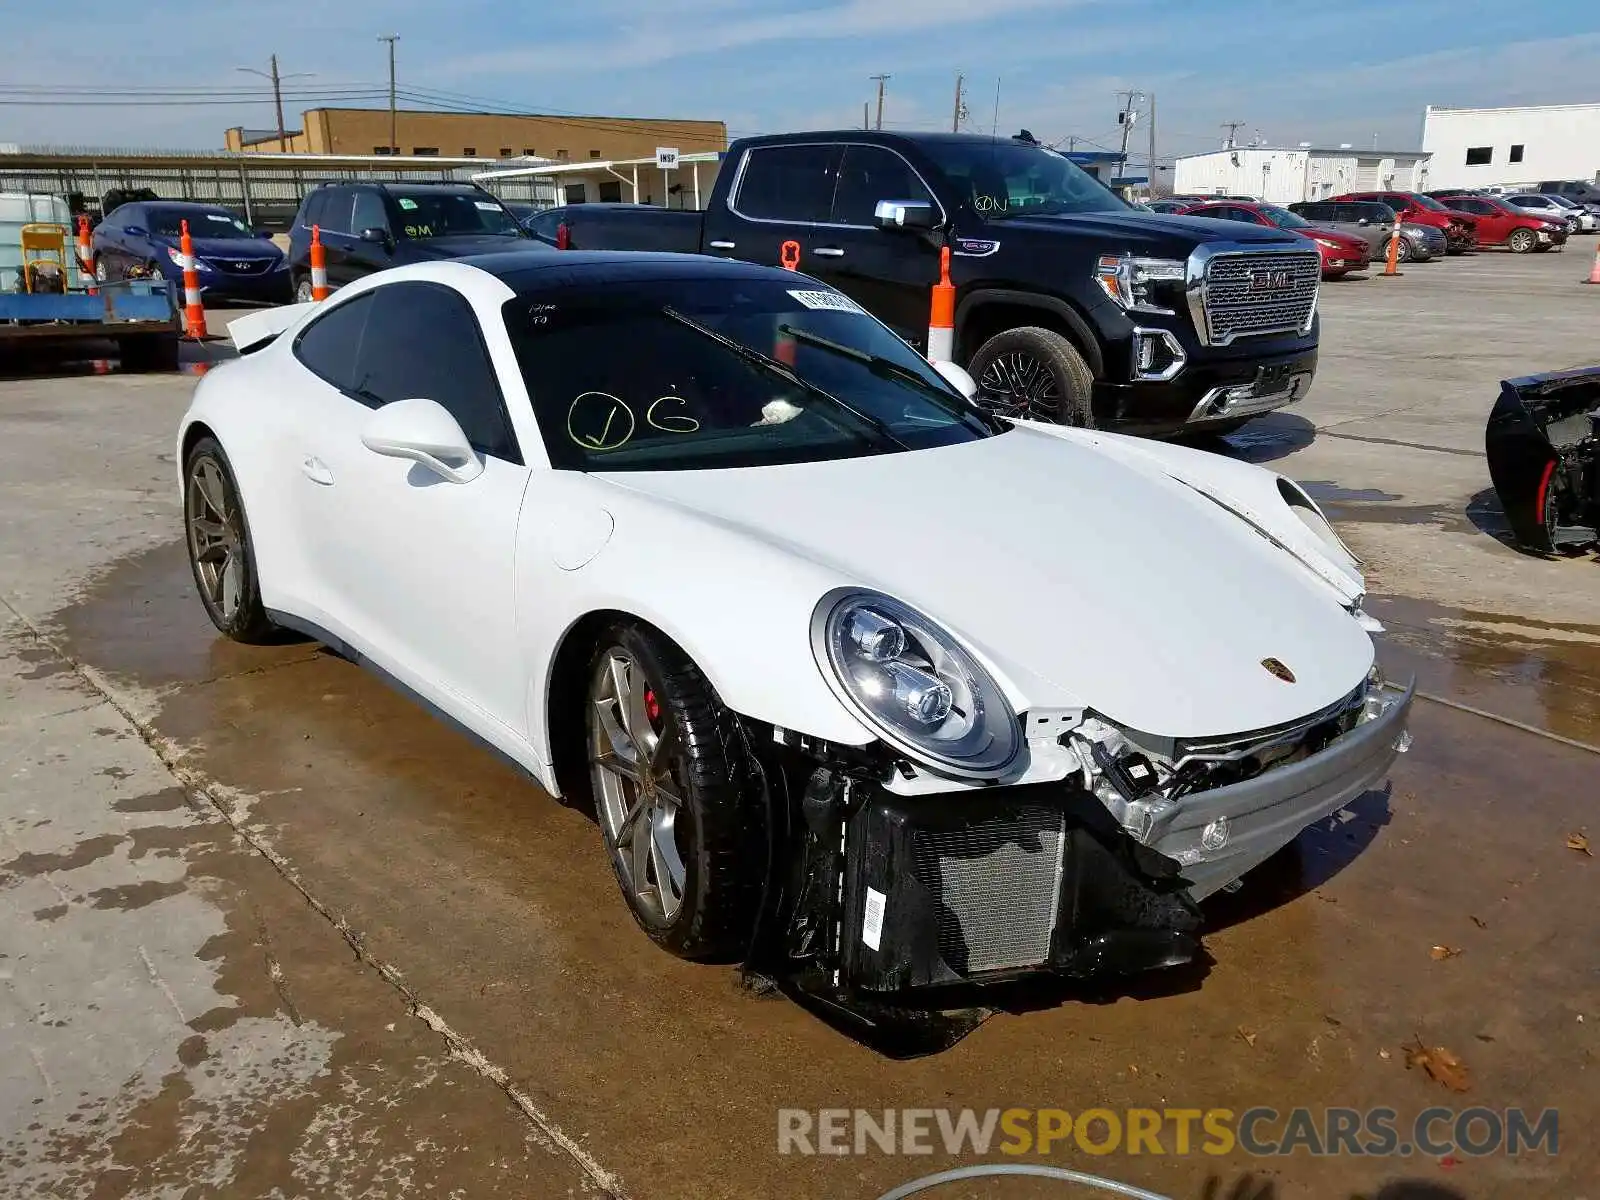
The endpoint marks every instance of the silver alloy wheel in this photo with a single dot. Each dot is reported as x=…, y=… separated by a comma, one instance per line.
x=1017, y=384
x=632, y=752
x=302, y=292
x=215, y=538
x=102, y=273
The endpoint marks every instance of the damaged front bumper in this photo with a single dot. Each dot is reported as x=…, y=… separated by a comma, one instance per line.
x=895, y=894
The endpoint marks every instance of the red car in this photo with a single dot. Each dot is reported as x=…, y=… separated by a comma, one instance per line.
x=1341, y=252
x=1502, y=224
x=1460, y=229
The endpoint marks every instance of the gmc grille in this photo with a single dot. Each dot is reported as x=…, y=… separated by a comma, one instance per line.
x=1249, y=294
x=998, y=884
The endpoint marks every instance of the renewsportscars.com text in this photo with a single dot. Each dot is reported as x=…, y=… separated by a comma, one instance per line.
x=1263, y=1132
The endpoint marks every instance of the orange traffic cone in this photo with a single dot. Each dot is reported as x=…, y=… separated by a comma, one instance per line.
x=86, y=256
x=942, y=314
x=1594, y=268
x=1392, y=267
x=319, y=265
x=194, y=312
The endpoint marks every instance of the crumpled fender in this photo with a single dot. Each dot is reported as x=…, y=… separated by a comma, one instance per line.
x=1263, y=499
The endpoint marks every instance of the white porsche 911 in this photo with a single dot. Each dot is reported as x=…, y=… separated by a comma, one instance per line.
x=880, y=689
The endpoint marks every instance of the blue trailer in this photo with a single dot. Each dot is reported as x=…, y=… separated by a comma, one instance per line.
x=140, y=316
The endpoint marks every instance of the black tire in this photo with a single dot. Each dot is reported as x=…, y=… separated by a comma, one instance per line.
x=246, y=619
x=1034, y=373
x=1404, y=253
x=1521, y=241
x=718, y=829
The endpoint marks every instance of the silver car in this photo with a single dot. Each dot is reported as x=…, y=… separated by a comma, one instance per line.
x=1375, y=222
x=1555, y=208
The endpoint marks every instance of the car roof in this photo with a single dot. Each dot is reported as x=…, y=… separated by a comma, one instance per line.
x=389, y=185
x=529, y=271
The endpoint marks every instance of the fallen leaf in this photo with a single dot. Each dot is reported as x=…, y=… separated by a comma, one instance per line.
x=1334, y=1021
x=1132, y=1070
x=1487, y=1037
x=1441, y=1066
x=1479, y=922
x=1249, y=1035
x=1580, y=843
x=1440, y=953
x=1384, y=1054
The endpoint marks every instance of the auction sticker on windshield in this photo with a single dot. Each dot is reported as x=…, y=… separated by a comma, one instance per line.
x=828, y=301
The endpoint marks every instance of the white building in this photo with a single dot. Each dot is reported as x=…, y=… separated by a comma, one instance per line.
x=1480, y=147
x=1281, y=176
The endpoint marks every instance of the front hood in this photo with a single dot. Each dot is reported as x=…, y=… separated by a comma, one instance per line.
x=1133, y=230
x=1338, y=236
x=460, y=245
x=1084, y=577
x=243, y=249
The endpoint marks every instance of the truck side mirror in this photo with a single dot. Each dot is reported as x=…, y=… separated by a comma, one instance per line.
x=904, y=214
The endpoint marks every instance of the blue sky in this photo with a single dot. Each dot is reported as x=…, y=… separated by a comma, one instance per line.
x=1334, y=72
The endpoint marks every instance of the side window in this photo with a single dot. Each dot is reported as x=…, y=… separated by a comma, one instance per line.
x=423, y=340
x=788, y=183
x=329, y=345
x=311, y=214
x=368, y=212
x=545, y=224
x=870, y=174
x=335, y=216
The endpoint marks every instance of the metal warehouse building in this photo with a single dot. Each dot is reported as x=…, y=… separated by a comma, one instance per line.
x=1480, y=147
x=1283, y=176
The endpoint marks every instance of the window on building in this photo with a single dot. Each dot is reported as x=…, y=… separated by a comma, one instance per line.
x=382, y=150
x=562, y=155
x=425, y=151
x=505, y=151
x=528, y=150
x=576, y=194
x=594, y=154
x=610, y=191
x=1479, y=156
x=469, y=151
x=1516, y=153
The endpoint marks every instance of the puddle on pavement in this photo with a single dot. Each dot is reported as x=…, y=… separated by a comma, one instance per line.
x=500, y=910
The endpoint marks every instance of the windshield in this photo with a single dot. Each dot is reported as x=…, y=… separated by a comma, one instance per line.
x=1429, y=202
x=1282, y=217
x=426, y=215
x=213, y=223
x=1003, y=179
x=677, y=375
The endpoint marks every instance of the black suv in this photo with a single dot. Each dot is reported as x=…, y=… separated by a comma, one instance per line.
x=366, y=227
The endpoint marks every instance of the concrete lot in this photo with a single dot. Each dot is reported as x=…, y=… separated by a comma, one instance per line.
x=272, y=931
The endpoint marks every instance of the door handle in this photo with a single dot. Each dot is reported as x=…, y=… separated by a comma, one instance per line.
x=828, y=252
x=314, y=469
x=720, y=245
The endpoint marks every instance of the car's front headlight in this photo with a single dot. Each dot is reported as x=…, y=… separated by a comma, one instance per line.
x=914, y=684
x=1147, y=285
x=176, y=255
x=1326, y=243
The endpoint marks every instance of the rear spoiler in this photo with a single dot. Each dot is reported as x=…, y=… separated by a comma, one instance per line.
x=255, y=330
x=1543, y=446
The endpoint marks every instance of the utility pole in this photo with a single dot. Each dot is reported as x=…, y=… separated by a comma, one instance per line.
x=995, y=129
x=1126, y=115
x=866, y=114
x=1150, y=184
x=882, y=79
x=1233, y=127
x=277, y=94
x=960, y=109
x=394, y=141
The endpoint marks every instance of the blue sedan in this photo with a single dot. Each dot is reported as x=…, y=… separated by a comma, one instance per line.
x=232, y=262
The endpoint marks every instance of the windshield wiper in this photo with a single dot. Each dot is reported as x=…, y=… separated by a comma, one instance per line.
x=879, y=365
x=773, y=367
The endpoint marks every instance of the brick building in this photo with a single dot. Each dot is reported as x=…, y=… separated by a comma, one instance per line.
x=483, y=135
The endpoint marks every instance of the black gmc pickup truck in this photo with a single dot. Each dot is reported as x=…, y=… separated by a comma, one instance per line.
x=1072, y=306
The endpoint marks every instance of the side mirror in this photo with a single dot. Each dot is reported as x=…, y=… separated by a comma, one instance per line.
x=1364, y=221
x=904, y=214
x=135, y=231
x=423, y=431
x=377, y=236
x=958, y=378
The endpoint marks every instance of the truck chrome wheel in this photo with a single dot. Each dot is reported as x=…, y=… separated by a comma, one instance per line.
x=633, y=751
x=1019, y=385
x=211, y=514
